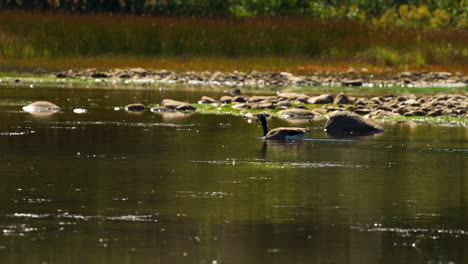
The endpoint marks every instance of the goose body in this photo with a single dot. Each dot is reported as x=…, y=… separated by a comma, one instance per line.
x=282, y=133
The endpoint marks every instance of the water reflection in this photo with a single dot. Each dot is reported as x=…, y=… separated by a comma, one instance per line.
x=112, y=187
x=175, y=116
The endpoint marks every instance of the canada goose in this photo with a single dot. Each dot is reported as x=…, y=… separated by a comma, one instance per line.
x=281, y=133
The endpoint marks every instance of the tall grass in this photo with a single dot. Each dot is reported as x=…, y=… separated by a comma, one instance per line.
x=50, y=36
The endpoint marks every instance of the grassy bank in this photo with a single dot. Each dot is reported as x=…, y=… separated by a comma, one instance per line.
x=58, y=41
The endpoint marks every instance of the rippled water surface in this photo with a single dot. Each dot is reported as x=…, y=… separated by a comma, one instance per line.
x=112, y=187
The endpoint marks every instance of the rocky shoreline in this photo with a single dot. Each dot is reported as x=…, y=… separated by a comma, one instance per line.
x=255, y=78
x=295, y=105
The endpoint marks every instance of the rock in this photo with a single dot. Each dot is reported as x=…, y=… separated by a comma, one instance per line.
x=320, y=111
x=363, y=111
x=99, y=75
x=296, y=113
x=261, y=105
x=302, y=99
x=160, y=109
x=412, y=102
x=240, y=99
x=343, y=122
x=401, y=99
x=415, y=113
x=376, y=100
x=383, y=113
x=406, y=74
x=435, y=113
x=186, y=107
x=292, y=96
x=301, y=107
x=386, y=108
x=207, y=100
x=135, y=108
x=342, y=98
x=226, y=99
x=352, y=82
x=321, y=99
x=235, y=91
x=125, y=76
x=257, y=99
x=401, y=110
x=41, y=107
x=333, y=109
x=177, y=105
x=361, y=102
x=239, y=105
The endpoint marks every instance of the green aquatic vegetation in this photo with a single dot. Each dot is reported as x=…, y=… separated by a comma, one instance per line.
x=227, y=109
x=223, y=109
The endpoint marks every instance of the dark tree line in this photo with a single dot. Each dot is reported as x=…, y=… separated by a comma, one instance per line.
x=231, y=7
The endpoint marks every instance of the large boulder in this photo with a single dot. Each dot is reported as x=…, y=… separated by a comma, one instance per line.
x=42, y=107
x=177, y=105
x=348, y=123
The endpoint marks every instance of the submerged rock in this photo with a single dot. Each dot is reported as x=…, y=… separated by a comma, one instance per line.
x=348, y=123
x=42, y=107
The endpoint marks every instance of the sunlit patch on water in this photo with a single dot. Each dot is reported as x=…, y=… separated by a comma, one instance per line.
x=279, y=165
x=65, y=127
x=410, y=232
x=132, y=218
x=36, y=200
x=20, y=230
x=33, y=216
x=99, y=156
x=224, y=125
x=75, y=124
x=79, y=217
x=205, y=195
x=449, y=149
x=21, y=133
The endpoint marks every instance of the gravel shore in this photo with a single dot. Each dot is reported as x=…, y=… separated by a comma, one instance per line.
x=255, y=78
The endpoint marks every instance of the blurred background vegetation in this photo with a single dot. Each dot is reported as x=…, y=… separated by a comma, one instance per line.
x=390, y=33
x=409, y=13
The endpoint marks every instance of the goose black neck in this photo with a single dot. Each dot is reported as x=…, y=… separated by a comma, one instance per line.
x=264, y=125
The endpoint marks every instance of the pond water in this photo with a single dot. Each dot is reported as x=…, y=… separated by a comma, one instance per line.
x=112, y=187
